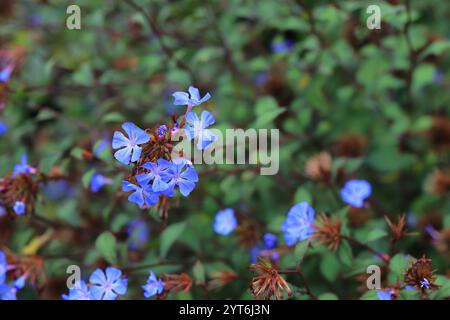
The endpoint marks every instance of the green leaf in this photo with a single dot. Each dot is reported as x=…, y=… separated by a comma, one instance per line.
x=302, y=194
x=198, y=271
x=329, y=266
x=77, y=153
x=345, y=253
x=300, y=250
x=106, y=246
x=370, y=295
x=113, y=117
x=266, y=111
x=328, y=296
x=398, y=265
x=376, y=234
x=169, y=236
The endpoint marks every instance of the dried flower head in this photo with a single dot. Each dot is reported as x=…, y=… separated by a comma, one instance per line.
x=351, y=146
x=438, y=182
x=441, y=241
x=268, y=283
x=318, y=167
x=398, y=229
x=420, y=275
x=221, y=279
x=328, y=232
x=175, y=283
x=439, y=134
x=248, y=232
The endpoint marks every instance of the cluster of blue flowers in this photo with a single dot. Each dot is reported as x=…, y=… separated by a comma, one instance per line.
x=109, y=285
x=162, y=177
x=8, y=291
x=298, y=225
x=104, y=285
x=355, y=192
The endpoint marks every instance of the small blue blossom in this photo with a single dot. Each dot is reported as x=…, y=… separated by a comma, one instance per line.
x=162, y=131
x=98, y=181
x=143, y=194
x=191, y=99
x=3, y=267
x=196, y=128
x=138, y=232
x=158, y=174
x=382, y=295
x=280, y=46
x=79, y=292
x=225, y=222
x=58, y=189
x=19, y=283
x=7, y=292
x=23, y=167
x=129, y=147
x=3, y=211
x=153, y=286
x=270, y=241
x=183, y=176
x=298, y=224
x=5, y=74
x=3, y=128
x=425, y=283
x=107, y=285
x=19, y=207
x=355, y=192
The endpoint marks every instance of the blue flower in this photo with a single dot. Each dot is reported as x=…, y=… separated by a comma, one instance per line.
x=298, y=224
x=19, y=283
x=355, y=192
x=153, y=286
x=58, y=190
x=225, y=222
x=425, y=283
x=98, y=181
x=107, y=286
x=162, y=130
x=7, y=292
x=23, y=167
x=3, y=211
x=182, y=175
x=3, y=128
x=183, y=98
x=5, y=74
x=158, y=174
x=3, y=267
x=280, y=46
x=79, y=292
x=382, y=295
x=19, y=207
x=143, y=194
x=138, y=232
x=196, y=128
x=270, y=240
x=129, y=147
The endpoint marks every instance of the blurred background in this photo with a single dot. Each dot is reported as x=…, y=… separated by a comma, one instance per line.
x=349, y=103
